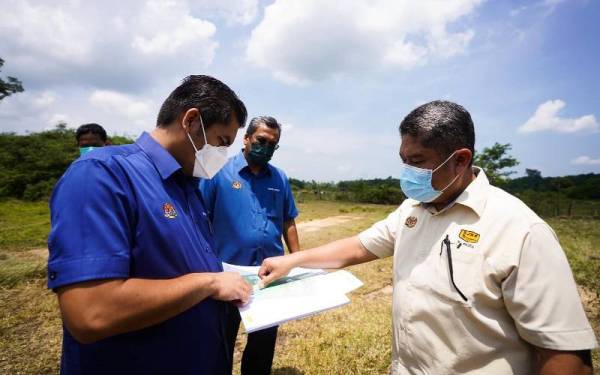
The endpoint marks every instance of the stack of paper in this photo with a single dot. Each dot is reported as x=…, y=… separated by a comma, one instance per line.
x=303, y=292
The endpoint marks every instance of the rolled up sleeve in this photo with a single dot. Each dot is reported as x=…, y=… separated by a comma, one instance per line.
x=90, y=235
x=541, y=296
x=380, y=238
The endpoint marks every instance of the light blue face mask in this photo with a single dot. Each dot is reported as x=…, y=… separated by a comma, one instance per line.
x=85, y=150
x=416, y=182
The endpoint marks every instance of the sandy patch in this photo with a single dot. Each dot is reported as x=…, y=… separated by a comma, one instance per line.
x=41, y=253
x=316, y=225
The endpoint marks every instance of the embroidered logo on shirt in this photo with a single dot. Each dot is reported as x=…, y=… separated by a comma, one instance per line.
x=411, y=221
x=469, y=236
x=236, y=185
x=169, y=211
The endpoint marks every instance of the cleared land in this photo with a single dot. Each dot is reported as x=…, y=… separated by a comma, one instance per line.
x=352, y=339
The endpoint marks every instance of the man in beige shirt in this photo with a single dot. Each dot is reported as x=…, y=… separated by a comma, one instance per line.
x=481, y=284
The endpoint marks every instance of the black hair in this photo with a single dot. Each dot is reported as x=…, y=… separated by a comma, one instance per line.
x=441, y=125
x=215, y=100
x=90, y=128
x=263, y=120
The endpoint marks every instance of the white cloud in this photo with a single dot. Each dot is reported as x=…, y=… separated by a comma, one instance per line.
x=118, y=45
x=44, y=100
x=179, y=30
x=56, y=118
x=312, y=40
x=231, y=11
x=546, y=118
x=585, y=160
x=138, y=111
x=29, y=111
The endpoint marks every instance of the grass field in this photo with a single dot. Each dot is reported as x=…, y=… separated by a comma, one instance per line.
x=352, y=339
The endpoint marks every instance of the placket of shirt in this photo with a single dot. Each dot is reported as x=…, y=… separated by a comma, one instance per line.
x=189, y=194
x=259, y=214
x=405, y=304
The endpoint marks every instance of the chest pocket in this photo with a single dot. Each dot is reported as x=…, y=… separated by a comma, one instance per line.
x=275, y=206
x=435, y=277
x=459, y=270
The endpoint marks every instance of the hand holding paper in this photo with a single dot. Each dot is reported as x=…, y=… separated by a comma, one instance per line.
x=303, y=292
x=275, y=268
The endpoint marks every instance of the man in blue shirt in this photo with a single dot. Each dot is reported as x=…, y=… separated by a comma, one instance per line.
x=132, y=256
x=89, y=137
x=251, y=206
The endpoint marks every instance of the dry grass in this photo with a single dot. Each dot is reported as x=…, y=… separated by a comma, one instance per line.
x=352, y=339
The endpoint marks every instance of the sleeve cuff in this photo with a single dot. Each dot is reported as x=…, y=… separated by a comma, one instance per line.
x=72, y=271
x=380, y=251
x=560, y=340
x=293, y=215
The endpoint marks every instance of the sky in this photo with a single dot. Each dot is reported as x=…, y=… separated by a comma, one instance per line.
x=339, y=75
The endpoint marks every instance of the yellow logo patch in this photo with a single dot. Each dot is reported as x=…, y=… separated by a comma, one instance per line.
x=236, y=185
x=469, y=236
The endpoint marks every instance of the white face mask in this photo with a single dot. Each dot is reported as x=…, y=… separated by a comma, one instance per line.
x=209, y=159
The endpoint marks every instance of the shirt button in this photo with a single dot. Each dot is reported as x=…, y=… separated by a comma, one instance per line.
x=52, y=275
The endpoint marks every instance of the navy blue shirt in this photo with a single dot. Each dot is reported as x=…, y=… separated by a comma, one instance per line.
x=130, y=212
x=248, y=211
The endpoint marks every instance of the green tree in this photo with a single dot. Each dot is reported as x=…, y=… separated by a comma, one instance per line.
x=10, y=86
x=494, y=160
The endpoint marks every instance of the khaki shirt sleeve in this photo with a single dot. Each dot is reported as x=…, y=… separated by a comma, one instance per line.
x=541, y=296
x=381, y=237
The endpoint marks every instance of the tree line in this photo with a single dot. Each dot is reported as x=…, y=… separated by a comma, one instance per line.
x=31, y=164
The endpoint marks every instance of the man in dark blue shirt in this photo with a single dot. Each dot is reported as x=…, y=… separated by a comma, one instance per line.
x=132, y=258
x=251, y=206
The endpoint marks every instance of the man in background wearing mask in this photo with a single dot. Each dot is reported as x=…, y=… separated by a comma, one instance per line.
x=89, y=137
x=251, y=206
x=132, y=259
x=481, y=284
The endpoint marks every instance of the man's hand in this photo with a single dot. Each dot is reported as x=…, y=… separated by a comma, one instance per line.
x=230, y=286
x=275, y=268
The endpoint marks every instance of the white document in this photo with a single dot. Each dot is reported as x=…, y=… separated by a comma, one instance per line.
x=303, y=292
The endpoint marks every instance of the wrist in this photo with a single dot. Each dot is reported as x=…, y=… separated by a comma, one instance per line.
x=211, y=283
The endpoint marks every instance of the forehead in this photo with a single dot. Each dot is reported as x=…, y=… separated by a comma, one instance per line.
x=265, y=131
x=90, y=137
x=411, y=146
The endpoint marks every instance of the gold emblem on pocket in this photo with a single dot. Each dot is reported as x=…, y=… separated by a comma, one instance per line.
x=469, y=236
x=236, y=185
x=411, y=221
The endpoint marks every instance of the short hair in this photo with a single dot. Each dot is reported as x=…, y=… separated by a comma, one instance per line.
x=263, y=120
x=214, y=99
x=441, y=125
x=90, y=128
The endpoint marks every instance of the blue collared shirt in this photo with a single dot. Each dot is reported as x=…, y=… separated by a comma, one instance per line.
x=130, y=212
x=248, y=211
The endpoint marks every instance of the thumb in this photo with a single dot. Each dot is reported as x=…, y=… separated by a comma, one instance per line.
x=268, y=279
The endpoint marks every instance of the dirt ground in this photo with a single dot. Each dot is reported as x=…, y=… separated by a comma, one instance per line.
x=316, y=225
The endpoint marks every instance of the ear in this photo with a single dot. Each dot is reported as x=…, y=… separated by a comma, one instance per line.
x=189, y=117
x=463, y=159
x=246, y=140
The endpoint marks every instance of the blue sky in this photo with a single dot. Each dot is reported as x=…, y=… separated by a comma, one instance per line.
x=340, y=76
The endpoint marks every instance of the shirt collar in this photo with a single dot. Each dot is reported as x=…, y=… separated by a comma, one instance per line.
x=473, y=197
x=240, y=163
x=164, y=162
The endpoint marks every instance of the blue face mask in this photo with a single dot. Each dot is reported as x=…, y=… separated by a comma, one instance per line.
x=85, y=150
x=416, y=182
